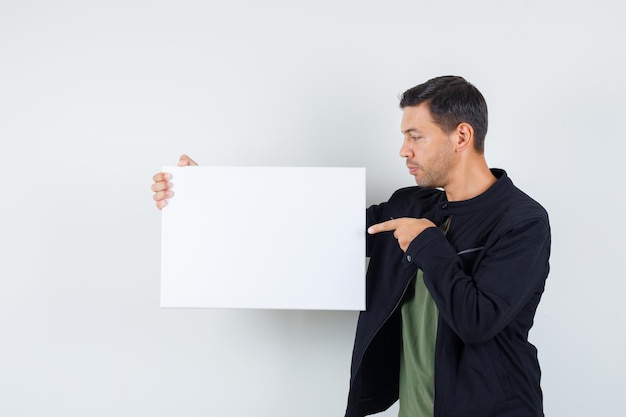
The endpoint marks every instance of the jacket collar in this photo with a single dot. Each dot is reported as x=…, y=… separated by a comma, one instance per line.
x=494, y=193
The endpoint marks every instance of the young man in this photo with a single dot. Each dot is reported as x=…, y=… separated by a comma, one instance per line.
x=457, y=269
x=455, y=275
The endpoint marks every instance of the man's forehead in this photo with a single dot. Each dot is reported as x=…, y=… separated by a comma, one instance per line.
x=416, y=118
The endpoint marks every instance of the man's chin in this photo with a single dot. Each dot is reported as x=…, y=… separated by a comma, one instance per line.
x=424, y=183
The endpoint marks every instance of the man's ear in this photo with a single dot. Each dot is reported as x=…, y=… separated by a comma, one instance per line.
x=464, y=137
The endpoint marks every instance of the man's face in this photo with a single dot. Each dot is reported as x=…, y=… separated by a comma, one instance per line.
x=428, y=150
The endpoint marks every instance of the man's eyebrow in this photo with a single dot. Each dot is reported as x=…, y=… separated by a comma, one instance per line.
x=412, y=130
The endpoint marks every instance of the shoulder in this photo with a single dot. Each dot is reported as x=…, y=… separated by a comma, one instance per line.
x=522, y=209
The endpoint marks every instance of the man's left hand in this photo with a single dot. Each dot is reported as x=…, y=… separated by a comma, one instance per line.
x=404, y=229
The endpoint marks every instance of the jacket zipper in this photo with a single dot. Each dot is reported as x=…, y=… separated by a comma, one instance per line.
x=406, y=287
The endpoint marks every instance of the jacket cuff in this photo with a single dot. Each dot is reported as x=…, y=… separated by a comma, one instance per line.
x=420, y=242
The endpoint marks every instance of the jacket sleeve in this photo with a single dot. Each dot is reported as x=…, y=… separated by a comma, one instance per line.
x=511, y=271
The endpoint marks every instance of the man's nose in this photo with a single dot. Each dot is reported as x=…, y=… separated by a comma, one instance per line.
x=405, y=151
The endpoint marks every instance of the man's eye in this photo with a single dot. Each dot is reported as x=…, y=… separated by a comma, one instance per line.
x=416, y=137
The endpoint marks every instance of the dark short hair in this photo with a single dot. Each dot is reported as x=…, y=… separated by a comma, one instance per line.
x=451, y=100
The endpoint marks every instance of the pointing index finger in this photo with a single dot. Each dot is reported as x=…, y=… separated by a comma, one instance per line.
x=387, y=226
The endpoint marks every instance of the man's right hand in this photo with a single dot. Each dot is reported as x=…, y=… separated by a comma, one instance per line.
x=162, y=186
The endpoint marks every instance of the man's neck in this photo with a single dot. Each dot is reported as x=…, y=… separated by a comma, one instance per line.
x=469, y=181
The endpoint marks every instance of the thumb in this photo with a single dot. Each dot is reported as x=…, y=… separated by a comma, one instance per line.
x=186, y=161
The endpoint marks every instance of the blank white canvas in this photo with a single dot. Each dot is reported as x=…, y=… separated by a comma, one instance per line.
x=264, y=237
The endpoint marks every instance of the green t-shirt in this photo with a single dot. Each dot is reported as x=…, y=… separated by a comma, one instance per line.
x=417, y=359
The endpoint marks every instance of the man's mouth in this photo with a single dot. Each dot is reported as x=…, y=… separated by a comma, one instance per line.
x=412, y=168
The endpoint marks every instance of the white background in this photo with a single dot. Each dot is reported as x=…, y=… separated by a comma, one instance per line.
x=96, y=96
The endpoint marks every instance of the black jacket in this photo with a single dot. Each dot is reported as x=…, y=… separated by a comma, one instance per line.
x=486, y=276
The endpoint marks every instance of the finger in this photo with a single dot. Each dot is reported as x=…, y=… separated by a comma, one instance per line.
x=161, y=203
x=161, y=176
x=383, y=227
x=162, y=195
x=161, y=186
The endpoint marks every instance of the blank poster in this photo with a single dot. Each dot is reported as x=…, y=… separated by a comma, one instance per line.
x=264, y=237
